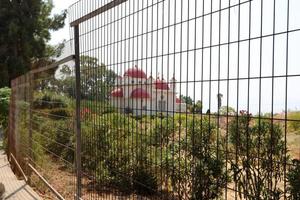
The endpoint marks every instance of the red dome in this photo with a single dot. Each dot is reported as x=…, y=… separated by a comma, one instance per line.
x=117, y=92
x=139, y=93
x=161, y=85
x=178, y=100
x=135, y=73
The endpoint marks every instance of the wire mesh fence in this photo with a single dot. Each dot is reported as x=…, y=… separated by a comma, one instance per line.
x=42, y=134
x=168, y=99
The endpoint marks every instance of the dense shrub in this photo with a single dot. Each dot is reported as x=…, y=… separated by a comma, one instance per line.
x=144, y=182
x=49, y=100
x=239, y=130
x=56, y=136
x=259, y=157
x=162, y=130
x=111, y=140
x=209, y=177
x=293, y=177
x=59, y=113
x=4, y=107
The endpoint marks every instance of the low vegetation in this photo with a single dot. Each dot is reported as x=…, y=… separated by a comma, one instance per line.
x=4, y=109
x=184, y=155
x=294, y=122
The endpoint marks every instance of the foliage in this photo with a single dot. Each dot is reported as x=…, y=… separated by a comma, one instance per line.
x=209, y=176
x=52, y=127
x=239, y=130
x=226, y=109
x=187, y=99
x=183, y=154
x=21, y=130
x=24, y=31
x=144, y=182
x=4, y=106
x=294, y=123
x=197, y=107
x=293, y=177
x=162, y=130
x=98, y=80
x=259, y=157
x=49, y=100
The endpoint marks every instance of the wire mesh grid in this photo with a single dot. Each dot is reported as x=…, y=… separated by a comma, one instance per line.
x=175, y=100
x=42, y=128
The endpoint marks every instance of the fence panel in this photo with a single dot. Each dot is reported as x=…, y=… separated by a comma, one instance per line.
x=42, y=121
x=174, y=100
x=187, y=99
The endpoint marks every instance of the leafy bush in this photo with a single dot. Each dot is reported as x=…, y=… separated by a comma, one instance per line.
x=116, y=166
x=49, y=100
x=4, y=108
x=239, y=130
x=162, y=130
x=293, y=177
x=144, y=182
x=59, y=113
x=260, y=157
x=209, y=177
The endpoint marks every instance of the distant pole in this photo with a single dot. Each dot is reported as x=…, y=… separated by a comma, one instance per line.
x=78, y=125
x=219, y=97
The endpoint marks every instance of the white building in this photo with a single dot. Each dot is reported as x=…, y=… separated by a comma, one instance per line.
x=142, y=95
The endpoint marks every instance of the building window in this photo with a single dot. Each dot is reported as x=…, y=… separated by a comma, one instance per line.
x=132, y=81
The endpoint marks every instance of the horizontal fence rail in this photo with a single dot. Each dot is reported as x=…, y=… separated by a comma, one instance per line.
x=166, y=99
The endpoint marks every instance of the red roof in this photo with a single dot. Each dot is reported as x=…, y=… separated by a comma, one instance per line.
x=161, y=85
x=139, y=93
x=135, y=73
x=117, y=92
x=178, y=100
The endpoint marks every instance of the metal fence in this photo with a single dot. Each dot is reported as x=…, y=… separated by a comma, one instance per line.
x=166, y=99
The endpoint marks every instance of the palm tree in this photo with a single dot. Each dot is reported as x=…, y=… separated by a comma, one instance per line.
x=219, y=97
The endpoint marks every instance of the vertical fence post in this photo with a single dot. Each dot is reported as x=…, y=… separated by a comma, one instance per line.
x=30, y=149
x=78, y=125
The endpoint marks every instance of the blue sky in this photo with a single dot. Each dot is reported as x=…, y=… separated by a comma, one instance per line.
x=189, y=71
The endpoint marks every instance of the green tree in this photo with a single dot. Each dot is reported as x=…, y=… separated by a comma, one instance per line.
x=24, y=32
x=187, y=99
x=226, y=109
x=97, y=79
x=197, y=107
x=219, y=97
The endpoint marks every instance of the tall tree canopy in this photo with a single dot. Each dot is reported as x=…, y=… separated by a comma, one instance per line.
x=25, y=27
x=97, y=79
